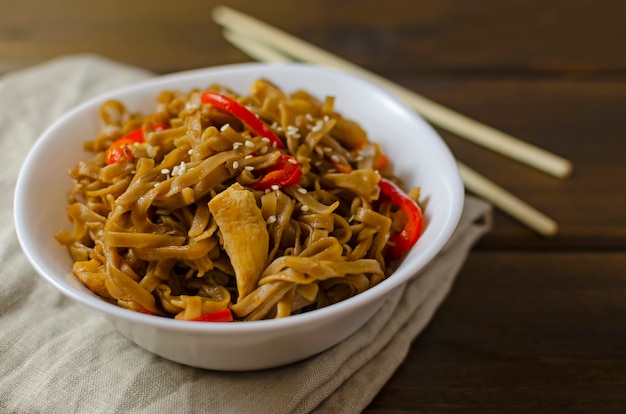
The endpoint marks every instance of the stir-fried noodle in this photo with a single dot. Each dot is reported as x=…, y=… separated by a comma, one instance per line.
x=191, y=210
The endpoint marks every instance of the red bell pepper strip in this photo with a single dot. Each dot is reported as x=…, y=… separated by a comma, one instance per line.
x=224, y=315
x=235, y=108
x=140, y=309
x=340, y=166
x=146, y=311
x=283, y=173
x=380, y=162
x=403, y=240
x=119, y=151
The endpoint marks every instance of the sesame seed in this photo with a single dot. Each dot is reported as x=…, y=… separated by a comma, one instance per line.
x=249, y=144
x=224, y=127
x=109, y=130
x=351, y=219
x=191, y=106
x=293, y=131
x=326, y=118
x=275, y=187
x=328, y=149
x=249, y=168
x=249, y=156
x=265, y=139
x=237, y=145
x=309, y=117
x=165, y=171
x=304, y=208
x=293, y=161
x=271, y=219
x=190, y=152
x=235, y=165
x=274, y=144
x=302, y=190
x=179, y=169
x=264, y=150
x=195, y=99
x=318, y=126
x=335, y=158
x=152, y=151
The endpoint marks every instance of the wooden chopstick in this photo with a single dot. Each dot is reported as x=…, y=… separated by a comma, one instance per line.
x=473, y=181
x=435, y=113
x=507, y=202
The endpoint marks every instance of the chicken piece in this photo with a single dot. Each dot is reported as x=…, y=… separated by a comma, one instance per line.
x=245, y=235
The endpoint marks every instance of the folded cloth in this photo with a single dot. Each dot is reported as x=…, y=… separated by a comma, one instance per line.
x=58, y=358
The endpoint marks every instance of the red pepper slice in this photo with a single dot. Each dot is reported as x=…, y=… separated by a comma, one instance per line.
x=407, y=237
x=119, y=151
x=146, y=311
x=141, y=309
x=224, y=315
x=230, y=105
x=380, y=162
x=284, y=173
x=340, y=166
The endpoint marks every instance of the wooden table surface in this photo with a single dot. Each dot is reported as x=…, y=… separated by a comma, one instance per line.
x=532, y=324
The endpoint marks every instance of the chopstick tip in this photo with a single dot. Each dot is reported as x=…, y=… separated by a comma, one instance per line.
x=218, y=12
x=567, y=170
x=550, y=229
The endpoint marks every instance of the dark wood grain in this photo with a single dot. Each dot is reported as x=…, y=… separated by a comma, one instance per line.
x=532, y=324
x=521, y=332
x=431, y=37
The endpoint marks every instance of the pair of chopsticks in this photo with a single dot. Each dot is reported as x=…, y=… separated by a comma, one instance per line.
x=269, y=44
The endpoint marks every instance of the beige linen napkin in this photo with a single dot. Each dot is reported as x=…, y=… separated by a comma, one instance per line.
x=55, y=357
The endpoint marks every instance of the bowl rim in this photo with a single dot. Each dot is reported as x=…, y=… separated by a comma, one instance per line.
x=406, y=273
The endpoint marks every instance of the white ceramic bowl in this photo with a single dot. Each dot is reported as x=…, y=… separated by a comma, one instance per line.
x=419, y=156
